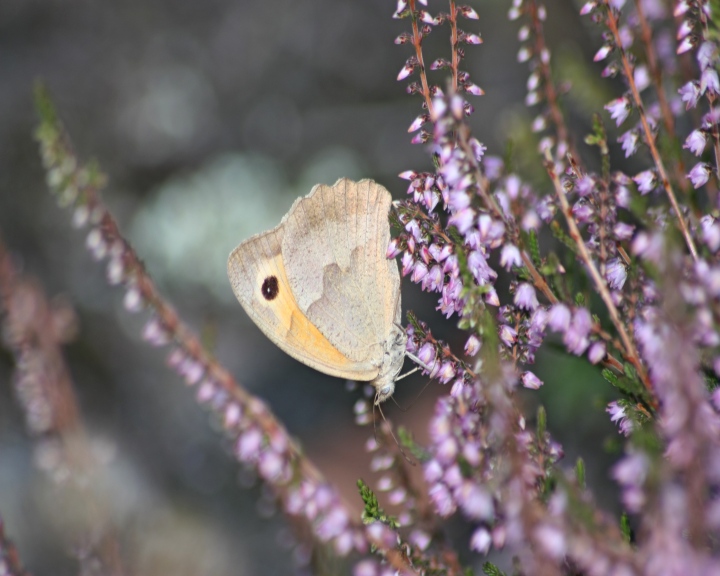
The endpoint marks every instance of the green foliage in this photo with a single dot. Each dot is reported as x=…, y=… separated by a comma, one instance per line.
x=580, y=472
x=372, y=511
x=489, y=569
x=408, y=442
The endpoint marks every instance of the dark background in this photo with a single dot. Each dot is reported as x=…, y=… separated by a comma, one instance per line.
x=209, y=119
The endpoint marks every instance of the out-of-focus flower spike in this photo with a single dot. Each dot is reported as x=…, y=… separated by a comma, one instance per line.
x=514, y=13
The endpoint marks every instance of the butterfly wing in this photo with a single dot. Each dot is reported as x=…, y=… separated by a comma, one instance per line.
x=260, y=282
x=334, y=249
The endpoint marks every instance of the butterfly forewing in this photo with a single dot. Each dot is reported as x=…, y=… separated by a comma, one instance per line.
x=334, y=251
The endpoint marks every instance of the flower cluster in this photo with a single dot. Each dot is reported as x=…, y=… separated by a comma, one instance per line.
x=618, y=269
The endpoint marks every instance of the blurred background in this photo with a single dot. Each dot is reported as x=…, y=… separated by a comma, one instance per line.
x=210, y=118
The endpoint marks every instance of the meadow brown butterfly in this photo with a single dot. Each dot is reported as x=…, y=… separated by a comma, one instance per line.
x=320, y=286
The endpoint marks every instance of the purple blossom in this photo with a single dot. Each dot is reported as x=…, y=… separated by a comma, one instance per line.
x=709, y=81
x=462, y=219
x=525, y=297
x=508, y=335
x=642, y=77
x=695, y=142
x=481, y=541
x=582, y=211
x=615, y=273
x=710, y=233
x=619, y=109
x=623, y=231
x=646, y=181
x=700, y=174
x=529, y=380
x=442, y=500
x=629, y=141
x=706, y=54
x=597, y=352
x=475, y=501
x=630, y=473
x=510, y=256
x=601, y=54
x=559, y=317
x=472, y=346
x=690, y=93
x=576, y=336
x=440, y=253
x=479, y=268
x=420, y=270
x=434, y=279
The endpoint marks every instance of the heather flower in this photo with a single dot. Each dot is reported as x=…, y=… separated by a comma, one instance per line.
x=709, y=82
x=700, y=174
x=615, y=273
x=529, y=380
x=695, y=142
x=472, y=346
x=642, y=78
x=619, y=109
x=481, y=541
x=690, y=93
x=508, y=335
x=576, y=336
x=623, y=231
x=426, y=354
x=525, y=297
x=630, y=473
x=597, y=352
x=559, y=317
x=629, y=141
x=646, y=181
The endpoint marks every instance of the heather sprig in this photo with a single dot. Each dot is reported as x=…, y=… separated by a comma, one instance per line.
x=618, y=269
x=260, y=441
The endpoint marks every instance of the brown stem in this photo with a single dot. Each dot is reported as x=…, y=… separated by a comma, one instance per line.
x=612, y=23
x=629, y=347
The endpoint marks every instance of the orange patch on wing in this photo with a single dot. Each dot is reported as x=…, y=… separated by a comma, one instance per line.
x=298, y=329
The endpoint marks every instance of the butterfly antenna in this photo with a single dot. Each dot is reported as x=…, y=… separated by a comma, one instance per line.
x=389, y=429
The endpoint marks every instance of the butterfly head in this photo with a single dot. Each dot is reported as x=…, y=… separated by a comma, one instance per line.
x=383, y=391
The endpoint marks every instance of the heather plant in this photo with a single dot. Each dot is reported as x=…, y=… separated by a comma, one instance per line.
x=619, y=269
